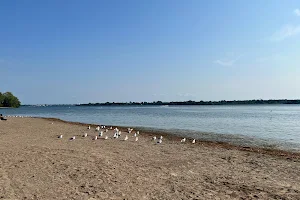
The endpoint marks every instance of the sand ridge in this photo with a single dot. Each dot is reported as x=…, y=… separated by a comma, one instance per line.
x=35, y=164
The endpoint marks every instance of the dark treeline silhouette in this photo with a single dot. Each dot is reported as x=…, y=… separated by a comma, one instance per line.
x=223, y=102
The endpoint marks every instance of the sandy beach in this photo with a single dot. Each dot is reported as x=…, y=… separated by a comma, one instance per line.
x=36, y=164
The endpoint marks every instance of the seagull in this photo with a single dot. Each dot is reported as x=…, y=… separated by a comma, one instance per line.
x=135, y=135
x=111, y=128
x=96, y=137
x=89, y=127
x=126, y=138
x=106, y=130
x=102, y=127
x=136, y=139
x=138, y=132
x=60, y=136
x=161, y=137
x=101, y=133
x=119, y=133
x=183, y=140
x=194, y=141
x=154, y=138
x=106, y=137
x=159, y=141
x=84, y=135
x=97, y=128
x=116, y=135
x=72, y=138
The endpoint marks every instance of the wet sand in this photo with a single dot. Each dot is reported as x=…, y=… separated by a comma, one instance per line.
x=35, y=164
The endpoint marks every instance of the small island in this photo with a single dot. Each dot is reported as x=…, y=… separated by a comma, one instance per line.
x=7, y=99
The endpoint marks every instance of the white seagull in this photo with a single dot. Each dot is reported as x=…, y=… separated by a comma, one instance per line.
x=60, y=136
x=183, y=140
x=72, y=138
x=84, y=135
x=126, y=138
x=89, y=127
x=135, y=135
x=161, y=137
x=116, y=135
x=159, y=141
x=106, y=137
x=154, y=138
x=101, y=133
x=136, y=139
x=194, y=141
x=96, y=137
x=98, y=128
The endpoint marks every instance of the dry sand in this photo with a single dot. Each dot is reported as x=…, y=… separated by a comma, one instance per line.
x=35, y=164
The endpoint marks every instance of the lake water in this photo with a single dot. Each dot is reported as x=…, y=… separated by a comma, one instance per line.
x=257, y=125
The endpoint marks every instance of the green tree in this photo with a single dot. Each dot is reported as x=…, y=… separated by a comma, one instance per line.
x=1, y=99
x=7, y=99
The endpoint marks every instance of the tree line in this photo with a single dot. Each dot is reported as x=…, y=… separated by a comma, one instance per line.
x=7, y=99
x=223, y=102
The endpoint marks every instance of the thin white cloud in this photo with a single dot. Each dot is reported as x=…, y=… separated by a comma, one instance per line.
x=186, y=95
x=285, y=32
x=297, y=12
x=228, y=62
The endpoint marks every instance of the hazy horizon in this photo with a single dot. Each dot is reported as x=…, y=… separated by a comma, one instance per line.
x=70, y=52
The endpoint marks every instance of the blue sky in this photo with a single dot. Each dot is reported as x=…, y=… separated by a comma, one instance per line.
x=96, y=51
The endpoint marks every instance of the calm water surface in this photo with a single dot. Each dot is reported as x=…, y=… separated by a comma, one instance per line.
x=274, y=126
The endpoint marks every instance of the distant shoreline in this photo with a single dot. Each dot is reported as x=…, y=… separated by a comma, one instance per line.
x=190, y=103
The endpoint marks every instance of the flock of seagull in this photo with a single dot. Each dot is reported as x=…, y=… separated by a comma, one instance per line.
x=117, y=133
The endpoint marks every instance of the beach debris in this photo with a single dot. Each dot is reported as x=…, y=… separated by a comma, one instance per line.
x=194, y=141
x=106, y=137
x=89, y=127
x=126, y=138
x=60, y=136
x=98, y=128
x=154, y=138
x=84, y=135
x=101, y=133
x=96, y=137
x=183, y=140
x=72, y=138
x=136, y=139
